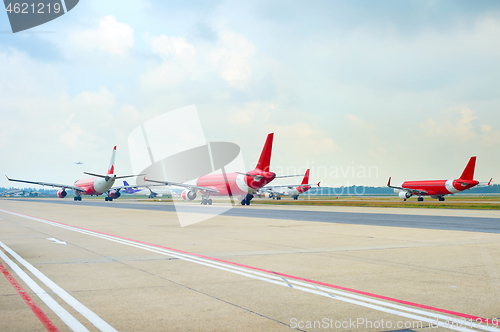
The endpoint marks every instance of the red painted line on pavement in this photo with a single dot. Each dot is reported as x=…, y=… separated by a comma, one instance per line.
x=390, y=299
x=29, y=301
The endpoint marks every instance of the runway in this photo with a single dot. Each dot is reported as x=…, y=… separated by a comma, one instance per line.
x=126, y=268
x=454, y=223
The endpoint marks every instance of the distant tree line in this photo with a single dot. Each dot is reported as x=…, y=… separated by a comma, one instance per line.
x=363, y=190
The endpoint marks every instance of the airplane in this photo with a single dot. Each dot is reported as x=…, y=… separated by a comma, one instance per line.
x=240, y=184
x=96, y=185
x=145, y=192
x=292, y=190
x=437, y=188
x=11, y=192
x=78, y=163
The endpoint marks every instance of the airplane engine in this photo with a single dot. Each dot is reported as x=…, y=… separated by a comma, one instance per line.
x=114, y=194
x=188, y=195
x=268, y=195
x=62, y=193
x=404, y=195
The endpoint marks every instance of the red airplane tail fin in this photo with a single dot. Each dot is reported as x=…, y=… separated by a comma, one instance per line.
x=305, y=180
x=468, y=173
x=265, y=156
x=111, y=169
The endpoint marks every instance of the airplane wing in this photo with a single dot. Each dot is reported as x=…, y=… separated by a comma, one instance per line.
x=108, y=176
x=118, y=188
x=184, y=185
x=136, y=186
x=288, y=176
x=48, y=184
x=484, y=184
x=268, y=190
x=259, y=177
x=413, y=191
x=291, y=186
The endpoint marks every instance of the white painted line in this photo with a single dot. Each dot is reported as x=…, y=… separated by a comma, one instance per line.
x=399, y=310
x=66, y=317
x=323, y=291
x=56, y=240
x=86, y=312
x=442, y=319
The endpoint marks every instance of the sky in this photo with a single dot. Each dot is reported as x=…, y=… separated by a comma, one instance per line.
x=355, y=90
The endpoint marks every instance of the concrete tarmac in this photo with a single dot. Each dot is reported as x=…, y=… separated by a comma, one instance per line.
x=134, y=286
x=445, y=219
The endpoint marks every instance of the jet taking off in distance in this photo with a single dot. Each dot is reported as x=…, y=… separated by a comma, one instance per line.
x=437, y=188
x=96, y=185
x=242, y=185
x=292, y=190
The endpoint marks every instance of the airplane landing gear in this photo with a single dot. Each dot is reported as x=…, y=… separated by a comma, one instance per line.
x=247, y=199
x=441, y=198
x=107, y=198
x=77, y=198
x=205, y=201
x=420, y=199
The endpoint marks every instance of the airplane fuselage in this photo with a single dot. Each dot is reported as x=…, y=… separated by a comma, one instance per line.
x=147, y=192
x=95, y=185
x=234, y=184
x=437, y=187
x=293, y=192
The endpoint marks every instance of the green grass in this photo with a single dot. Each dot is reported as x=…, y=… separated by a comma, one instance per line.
x=452, y=202
x=379, y=202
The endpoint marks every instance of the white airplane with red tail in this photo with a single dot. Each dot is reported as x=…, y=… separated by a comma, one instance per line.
x=240, y=184
x=292, y=190
x=96, y=185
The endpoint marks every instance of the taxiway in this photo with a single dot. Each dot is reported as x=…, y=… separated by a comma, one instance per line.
x=137, y=269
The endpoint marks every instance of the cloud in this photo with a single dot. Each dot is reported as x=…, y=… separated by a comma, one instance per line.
x=489, y=136
x=249, y=114
x=248, y=76
x=232, y=57
x=43, y=121
x=176, y=48
x=385, y=57
x=486, y=128
x=109, y=37
x=304, y=140
x=356, y=121
x=94, y=103
x=459, y=126
x=228, y=57
x=166, y=76
x=70, y=137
